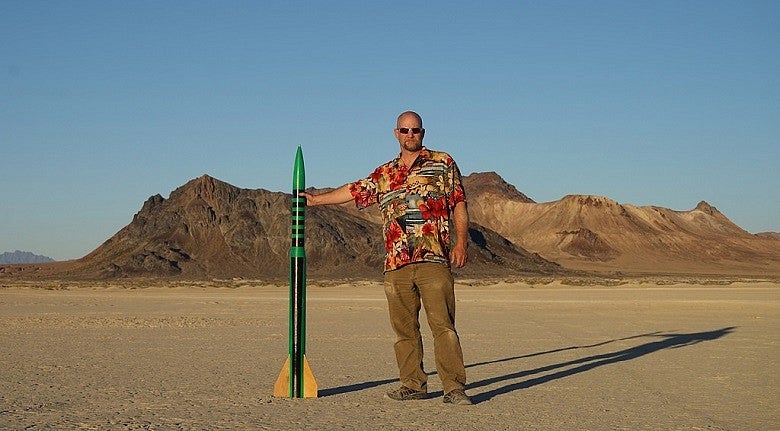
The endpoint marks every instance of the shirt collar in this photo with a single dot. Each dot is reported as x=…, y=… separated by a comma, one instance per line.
x=425, y=154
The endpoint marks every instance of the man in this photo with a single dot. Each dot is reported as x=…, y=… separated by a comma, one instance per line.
x=418, y=193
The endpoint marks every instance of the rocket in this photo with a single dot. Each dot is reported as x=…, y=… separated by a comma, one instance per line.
x=296, y=379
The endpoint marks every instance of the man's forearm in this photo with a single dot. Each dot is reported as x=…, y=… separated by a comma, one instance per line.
x=460, y=216
x=338, y=196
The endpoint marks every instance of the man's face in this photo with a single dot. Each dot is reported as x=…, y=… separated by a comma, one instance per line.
x=410, y=141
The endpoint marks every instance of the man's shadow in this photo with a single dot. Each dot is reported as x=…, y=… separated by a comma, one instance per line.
x=664, y=341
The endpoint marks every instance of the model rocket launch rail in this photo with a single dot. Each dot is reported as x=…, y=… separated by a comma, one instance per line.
x=296, y=379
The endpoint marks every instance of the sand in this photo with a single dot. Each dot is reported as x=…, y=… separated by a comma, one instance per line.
x=191, y=356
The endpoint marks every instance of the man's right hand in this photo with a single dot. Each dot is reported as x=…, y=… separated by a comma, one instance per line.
x=340, y=195
x=311, y=200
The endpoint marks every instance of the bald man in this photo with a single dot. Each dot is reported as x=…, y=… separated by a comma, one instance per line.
x=419, y=193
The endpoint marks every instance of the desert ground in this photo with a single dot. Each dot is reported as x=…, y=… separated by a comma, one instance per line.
x=638, y=354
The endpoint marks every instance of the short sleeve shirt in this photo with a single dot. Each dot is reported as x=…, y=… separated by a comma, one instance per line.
x=416, y=204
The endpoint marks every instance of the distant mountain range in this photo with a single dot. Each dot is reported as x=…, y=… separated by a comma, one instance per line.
x=23, y=257
x=210, y=229
x=597, y=233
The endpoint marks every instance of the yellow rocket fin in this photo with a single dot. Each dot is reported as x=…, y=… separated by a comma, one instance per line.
x=309, y=384
x=282, y=385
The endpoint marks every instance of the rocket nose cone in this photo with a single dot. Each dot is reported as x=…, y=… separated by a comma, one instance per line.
x=299, y=171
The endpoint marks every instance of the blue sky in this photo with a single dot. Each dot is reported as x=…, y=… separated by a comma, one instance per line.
x=105, y=103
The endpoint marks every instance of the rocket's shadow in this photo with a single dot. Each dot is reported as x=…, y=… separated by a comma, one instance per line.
x=354, y=388
x=565, y=369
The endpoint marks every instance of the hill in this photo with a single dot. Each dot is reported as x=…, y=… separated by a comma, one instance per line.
x=23, y=257
x=597, y=233
x=210, y=229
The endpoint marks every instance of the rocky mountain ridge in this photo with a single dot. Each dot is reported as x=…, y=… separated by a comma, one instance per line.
x=597, y=233
x=18, y=256
x=210, y=229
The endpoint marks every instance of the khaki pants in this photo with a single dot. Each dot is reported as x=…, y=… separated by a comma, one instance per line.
x=433, y=285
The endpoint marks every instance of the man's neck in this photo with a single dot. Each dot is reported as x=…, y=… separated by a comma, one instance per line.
x=408, y=157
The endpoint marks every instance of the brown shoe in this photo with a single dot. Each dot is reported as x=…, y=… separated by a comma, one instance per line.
x=405, y=394
x=457, y=397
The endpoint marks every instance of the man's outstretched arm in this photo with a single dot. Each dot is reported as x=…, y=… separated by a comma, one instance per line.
x=334, y=197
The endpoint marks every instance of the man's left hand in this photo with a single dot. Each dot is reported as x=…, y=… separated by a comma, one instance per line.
x=458, y=255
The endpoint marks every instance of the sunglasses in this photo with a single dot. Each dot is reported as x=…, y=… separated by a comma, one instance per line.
x=414, y=130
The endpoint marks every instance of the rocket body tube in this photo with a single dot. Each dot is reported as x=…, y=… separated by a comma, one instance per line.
x=298, y=274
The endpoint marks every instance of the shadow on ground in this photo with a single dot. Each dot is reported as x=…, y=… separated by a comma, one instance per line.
x=662, y=341
x=665, y=341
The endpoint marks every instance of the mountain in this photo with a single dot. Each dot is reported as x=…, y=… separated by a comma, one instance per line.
x=209, y=228
x=597, y=233
x=23, y=257
x=488, y=185
x=769, y=235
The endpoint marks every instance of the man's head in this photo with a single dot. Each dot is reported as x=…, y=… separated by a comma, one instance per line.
x=409, y=131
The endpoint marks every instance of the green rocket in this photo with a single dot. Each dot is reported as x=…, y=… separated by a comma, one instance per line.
x=296, y=379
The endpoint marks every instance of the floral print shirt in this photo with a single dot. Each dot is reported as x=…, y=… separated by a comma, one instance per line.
x=416, y=204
